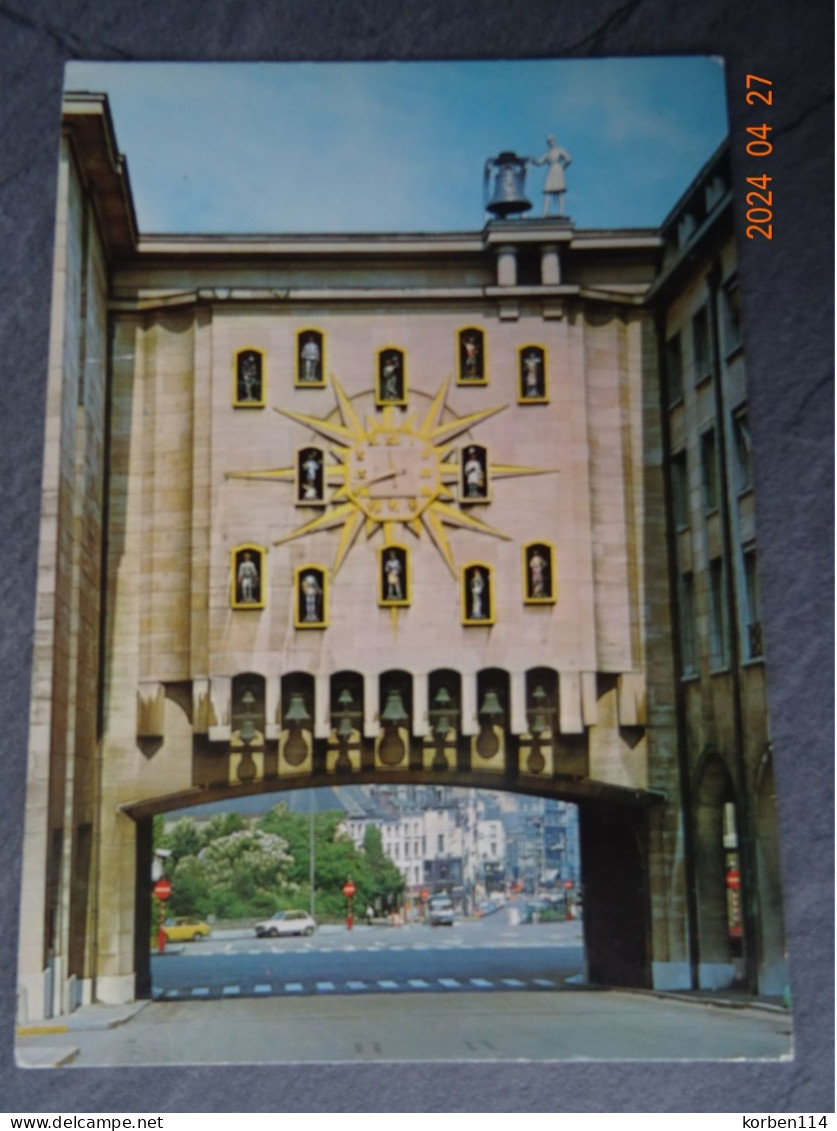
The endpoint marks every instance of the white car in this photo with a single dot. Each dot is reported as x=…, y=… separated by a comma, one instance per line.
x=286, y=923
x=441, y=911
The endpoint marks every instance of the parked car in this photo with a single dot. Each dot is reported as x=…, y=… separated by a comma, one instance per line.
x=186, y=928
x=286, y=923
x=441, y=911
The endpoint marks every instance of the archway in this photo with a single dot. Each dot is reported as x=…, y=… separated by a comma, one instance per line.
x=717, y=876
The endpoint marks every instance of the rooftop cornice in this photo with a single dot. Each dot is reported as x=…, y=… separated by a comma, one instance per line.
x=89, y=128
x=370, y=245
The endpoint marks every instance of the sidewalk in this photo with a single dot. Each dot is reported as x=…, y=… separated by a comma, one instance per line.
x=34, y=1051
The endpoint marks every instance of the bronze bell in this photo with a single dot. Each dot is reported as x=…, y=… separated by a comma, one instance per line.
x=509, y=185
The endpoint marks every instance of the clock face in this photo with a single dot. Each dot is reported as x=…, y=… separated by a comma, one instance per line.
x=378, y=472
x=393, y=474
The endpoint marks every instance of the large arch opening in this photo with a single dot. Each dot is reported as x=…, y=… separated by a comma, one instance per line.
x=510, y=864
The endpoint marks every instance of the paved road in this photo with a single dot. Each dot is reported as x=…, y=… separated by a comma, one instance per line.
x=487, y=955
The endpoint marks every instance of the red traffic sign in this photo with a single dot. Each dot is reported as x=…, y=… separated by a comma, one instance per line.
x=162, y=889
x=349, y=889
x=425, y=894
x=568, y=885
x=733, y=879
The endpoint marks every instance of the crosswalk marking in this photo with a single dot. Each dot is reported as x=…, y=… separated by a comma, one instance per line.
x=330, y=987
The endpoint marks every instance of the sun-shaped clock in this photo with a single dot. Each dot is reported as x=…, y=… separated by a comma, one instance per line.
x=386, y=472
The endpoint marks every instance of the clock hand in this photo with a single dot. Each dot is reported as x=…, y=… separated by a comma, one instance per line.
x=378, y=478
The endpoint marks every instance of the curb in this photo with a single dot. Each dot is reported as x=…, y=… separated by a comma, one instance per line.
x=694, y=999
x=83, y=1019
x=45, y=1056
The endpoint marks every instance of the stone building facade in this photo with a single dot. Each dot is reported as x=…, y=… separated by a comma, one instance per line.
x=722, y=710
x=337, y=509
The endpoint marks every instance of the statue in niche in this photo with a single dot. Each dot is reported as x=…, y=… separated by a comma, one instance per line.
x=394, y=571
x=247, y=579
x=470, y=356
x=555, y=185
x=311, y=476
x=539, y=573
x=249, y=377
x=473, y=474
x=390, y=377
x=310, y=358
x=477, y=594
x=533, y=386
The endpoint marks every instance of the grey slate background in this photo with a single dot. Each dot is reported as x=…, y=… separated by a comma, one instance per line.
x=787, y=293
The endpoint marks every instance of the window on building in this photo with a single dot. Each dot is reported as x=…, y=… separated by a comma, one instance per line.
x=674, y=370
x=714, y=192
x=753, y=600
x=709, y=470
x=440, y=842
x=406, y=848
x=731, y=315
x=718, y=625
x=396, y=852
x=686, y=625
x=742, y=449
x=680, y=489
x=700, y=344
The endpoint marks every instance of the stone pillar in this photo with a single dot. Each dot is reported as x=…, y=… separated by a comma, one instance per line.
x=506, y=265
x=614, y=848
x=550, y=265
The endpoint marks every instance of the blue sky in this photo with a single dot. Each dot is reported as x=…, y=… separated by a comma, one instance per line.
x=328, y=147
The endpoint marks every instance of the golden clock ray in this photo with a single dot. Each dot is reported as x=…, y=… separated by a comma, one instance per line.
x=323, y=522
x=453, y=517
x=348, y=537
x=438, y=536
x=455, y=428
x=509, y=471
x=270, y=473
x=434, y=413
x=324, y=428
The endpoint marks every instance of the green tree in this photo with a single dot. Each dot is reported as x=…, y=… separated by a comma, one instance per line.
x=184, y=838
x=335, y=859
